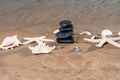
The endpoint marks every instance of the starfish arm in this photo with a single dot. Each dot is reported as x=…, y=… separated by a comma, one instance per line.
x=47, y=40
x=115, y=38
x=29, y=38
x=42, y=37
x=38, y=41
x=113, y=43
x=27, y=42
x=102, y=42
x=93, y=40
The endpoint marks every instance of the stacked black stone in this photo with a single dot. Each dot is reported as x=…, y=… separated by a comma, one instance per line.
x=65, y=34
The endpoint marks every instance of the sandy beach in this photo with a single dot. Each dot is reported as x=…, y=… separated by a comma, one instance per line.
x=34, y=18
x=61, y=64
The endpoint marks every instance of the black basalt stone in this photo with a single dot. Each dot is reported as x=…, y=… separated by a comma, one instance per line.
x=63, y=29
x=63, y=35
x=67, y=40
x=65, y=23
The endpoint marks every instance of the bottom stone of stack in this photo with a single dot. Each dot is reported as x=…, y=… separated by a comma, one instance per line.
x=66, y=40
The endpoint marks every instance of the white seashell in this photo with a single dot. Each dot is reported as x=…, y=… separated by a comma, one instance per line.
x=10, y=42
x=85, y=32
x=56, y=31
x=41, y=48
x=106, y=32
x=118, y=33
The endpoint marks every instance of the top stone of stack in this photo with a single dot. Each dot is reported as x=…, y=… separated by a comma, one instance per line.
x=65, y=23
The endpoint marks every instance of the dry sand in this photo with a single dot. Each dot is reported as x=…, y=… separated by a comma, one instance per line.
x=31, y=18
x=61, y=64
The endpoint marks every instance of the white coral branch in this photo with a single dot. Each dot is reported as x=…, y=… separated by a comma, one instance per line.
x=41, y=48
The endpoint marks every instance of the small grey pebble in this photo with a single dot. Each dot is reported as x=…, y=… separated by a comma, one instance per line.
x=77, y=49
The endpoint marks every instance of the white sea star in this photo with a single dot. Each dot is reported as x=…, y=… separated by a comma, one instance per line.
x=36, y=39
x=105, y=39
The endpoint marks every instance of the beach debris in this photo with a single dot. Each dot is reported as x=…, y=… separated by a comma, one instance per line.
x=106, y=32
x=60, y=47
x=77, y=49
x=41, y=48
x=10, y=42
x=36, y=39
x=101, y=42
x=85, y=33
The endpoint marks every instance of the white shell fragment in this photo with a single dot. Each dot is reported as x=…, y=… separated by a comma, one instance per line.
x=41, y=48
x=105, y=39
x=106, y=32
x=118, y=33
x=85, y=32
x=36, y=39
x=56, y=31
x=10, y=42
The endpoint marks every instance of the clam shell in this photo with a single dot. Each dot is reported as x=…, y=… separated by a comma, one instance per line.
x=106, y=32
